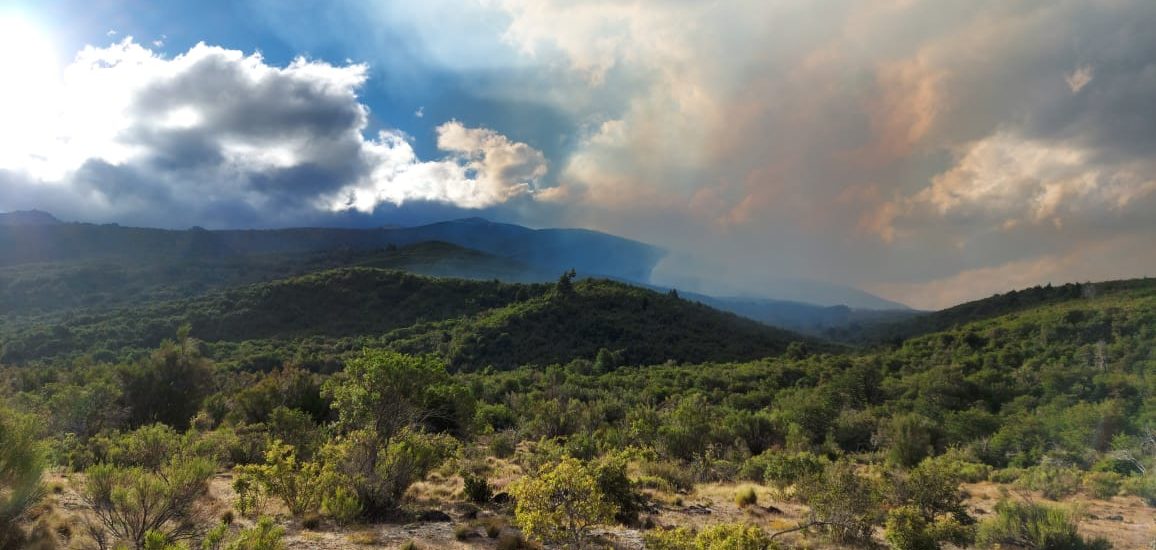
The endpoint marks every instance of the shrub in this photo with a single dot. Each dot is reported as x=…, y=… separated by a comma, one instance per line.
x=732, y=536
x=933, y=489
x=847, y=504
x=963, y=466
x=1029, y=525
x=298, y=484
x=783, y=469
x=1103, y=485
x=1054, y=481
x=1007, y=475
x=21, y=466
x=617, y=489
x=679, y=538
x=503, y=445
x=128, y=503
x=265, y=535
x=463, y=532
x=908, y=529
x=149, y=447
x=380, y=474
x=385, y=401
x=311, y=521
x=676, y=476
x=510, y=540
x=477, y=489
x=1143, y=486
x=746, y=497
x=909, y=439
x=341, y=504
x=561, y=503
x=494, y=527
x=726, y=536
x=250, y=494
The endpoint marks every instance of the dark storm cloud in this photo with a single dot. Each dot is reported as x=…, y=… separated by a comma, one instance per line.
x=216, y=137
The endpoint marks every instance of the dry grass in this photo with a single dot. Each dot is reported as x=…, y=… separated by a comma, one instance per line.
x=364, y=538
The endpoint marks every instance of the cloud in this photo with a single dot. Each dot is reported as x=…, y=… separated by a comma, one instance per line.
x=861, y=143
x=214, y=132
x=1079, y=78
x=485, y=168
x=1009, y=180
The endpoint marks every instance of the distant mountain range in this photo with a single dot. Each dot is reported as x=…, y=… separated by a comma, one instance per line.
x=82, y=263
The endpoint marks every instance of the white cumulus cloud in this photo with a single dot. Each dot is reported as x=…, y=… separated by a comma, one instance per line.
x=213, y=133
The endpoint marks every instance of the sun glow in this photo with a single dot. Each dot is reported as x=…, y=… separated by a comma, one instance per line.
x=31, y=82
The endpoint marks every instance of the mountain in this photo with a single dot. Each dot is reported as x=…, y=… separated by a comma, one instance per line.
x=473, y=324
x=47, y=266
x=27, y=218
x=554, y=250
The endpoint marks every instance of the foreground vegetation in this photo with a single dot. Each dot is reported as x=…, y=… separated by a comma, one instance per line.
x=569, y=408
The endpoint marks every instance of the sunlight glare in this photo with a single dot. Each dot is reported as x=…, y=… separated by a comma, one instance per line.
x=31, y=79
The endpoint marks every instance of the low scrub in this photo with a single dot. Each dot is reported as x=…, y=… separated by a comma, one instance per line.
x=1030, y=525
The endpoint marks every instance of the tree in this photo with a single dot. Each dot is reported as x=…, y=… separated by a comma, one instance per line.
x=565, y=286
x=169, y=385
x=384, y=401
x=389, y=392
x=21, y=465
x=561, y=503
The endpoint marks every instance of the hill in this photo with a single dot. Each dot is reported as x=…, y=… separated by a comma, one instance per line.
x=637, y=326
x=101, y=284
x=472, y=323
x=999, y=305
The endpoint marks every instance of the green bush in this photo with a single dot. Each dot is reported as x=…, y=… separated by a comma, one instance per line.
x=265, y=535
x=1029, y=525
x=1054, y=481
x=783, y=469
x=1143, y=486
x=503, y=445
x=1103, y=485
x=746, y=497
x=128, y=503
x=726, y=536
x=963, y=466
x=846, y=503
x=298, y=484
x=21, y=466
x=477, y=489
x=341, y=504
x=380, y=474
x=617, y=489
x=909, y=439
x=679, y=538
x=250, y=494
x=676, y=476
x=732, y=536
x=1007, y=475
x=385, y=403
x=907, y=528
x=561, y=503
x=148, y=447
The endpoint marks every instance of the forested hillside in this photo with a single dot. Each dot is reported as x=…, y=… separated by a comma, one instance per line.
x=645, y=402
x=473, y=324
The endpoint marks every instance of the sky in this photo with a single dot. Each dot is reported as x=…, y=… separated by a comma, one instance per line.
x=928, y=151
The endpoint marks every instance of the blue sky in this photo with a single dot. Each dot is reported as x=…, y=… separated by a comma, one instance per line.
x=928, y=151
